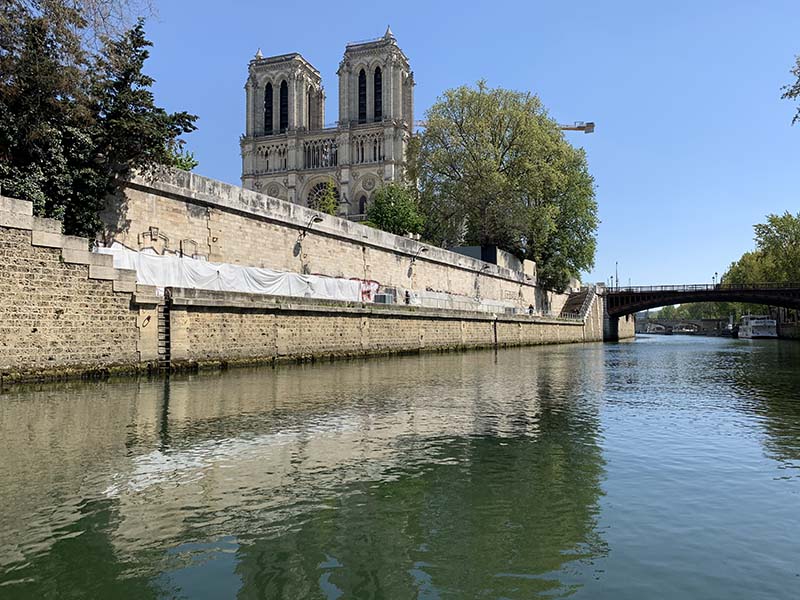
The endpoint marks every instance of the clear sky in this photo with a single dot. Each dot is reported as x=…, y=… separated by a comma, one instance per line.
x=693, y=144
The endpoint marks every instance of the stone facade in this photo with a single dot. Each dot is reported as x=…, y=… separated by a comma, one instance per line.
x=289, y=153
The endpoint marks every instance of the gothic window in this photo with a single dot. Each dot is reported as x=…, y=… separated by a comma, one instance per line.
x=362, y=97
x=362, y=205
x=318, y=191
x=309, y=100
x=284, y=106
x=378, y=90
x=268, y=109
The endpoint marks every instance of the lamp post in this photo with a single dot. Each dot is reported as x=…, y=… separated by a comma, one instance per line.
x=421, y=250
x=311, y=221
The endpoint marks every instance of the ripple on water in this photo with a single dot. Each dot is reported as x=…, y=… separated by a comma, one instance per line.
x=665, y=467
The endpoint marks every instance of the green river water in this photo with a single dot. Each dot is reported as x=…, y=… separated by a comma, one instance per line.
x=668, y=467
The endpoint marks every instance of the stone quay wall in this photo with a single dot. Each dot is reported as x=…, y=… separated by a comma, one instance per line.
x=208, y=328
x=185, y=213
x=69, y=313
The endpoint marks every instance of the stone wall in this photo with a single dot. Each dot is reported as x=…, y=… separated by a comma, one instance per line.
x=68, y=312
x=224, y=223
x=209, y=327
x=64, y=310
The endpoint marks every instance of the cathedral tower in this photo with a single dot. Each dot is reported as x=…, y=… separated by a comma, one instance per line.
x=288, y=153
x=376, y=83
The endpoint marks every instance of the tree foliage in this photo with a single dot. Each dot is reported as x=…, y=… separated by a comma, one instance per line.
x=694, y=311
x=495, y=169
x=181, y=159
x=394, y=209
x=792, y=91
x=74, y=123
x=776, y=258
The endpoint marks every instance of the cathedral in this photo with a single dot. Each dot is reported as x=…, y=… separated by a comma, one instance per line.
x=289, y=152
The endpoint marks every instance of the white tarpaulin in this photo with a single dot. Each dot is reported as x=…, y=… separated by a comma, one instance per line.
x=176, y=271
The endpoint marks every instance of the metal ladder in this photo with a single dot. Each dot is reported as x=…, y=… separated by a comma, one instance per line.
x=163, y=333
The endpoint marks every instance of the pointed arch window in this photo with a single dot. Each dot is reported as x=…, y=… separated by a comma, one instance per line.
x=284, y=106
x=378, y=94
x=309, y=113
x=362, y=97
x=268, y=109
x=362, y=205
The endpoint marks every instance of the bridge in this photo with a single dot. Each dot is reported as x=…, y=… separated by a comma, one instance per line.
x=696, y=326
x=628, y=300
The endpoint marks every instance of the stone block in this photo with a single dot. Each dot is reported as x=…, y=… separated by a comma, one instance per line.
x=15, y=220
x=84, y=257
x=13, y=205
x=124, y=286
x=49, y=225
x=98, y=272
x=47, y=239
x=146, y=290
x=77, y=257
x=75, y=243
x=127, y=275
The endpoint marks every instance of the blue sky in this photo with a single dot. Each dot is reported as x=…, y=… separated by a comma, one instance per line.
x=693, y=144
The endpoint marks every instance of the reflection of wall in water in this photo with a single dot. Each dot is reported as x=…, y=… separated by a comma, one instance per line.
x=251, y=445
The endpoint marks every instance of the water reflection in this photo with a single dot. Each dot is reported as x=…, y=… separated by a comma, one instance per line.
x=436, y=475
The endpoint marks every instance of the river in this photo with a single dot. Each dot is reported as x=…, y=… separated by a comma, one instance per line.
x=668, y=467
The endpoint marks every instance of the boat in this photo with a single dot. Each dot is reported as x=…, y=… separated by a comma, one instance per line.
x=757, y=326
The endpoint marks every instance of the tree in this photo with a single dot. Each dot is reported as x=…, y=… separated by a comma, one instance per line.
x=494, y=169
x=779, y=241
x=184, y=160
x=777, y=254
x=752, y=267
x=74, y=125
x=792, y=91
x=327, y=202
x=394, y=209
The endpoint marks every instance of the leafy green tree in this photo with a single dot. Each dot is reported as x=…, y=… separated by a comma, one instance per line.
x=75, y=124
x=779, y=241
x=394, y=209
x=184, y=160
x=495, y=169
x=752, y=267
x=792, y=91
x=328, y=201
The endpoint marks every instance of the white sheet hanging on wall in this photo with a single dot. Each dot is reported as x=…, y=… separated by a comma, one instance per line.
x=175, y=271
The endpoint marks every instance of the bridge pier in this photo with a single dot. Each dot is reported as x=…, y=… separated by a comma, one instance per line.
x=610, y=329
x=618, y=328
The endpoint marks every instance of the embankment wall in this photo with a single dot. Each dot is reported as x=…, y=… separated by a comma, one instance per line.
x=202, y=217
x=68, y=312
x=224, y=327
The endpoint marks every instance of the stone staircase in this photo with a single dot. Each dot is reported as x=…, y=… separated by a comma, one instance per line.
x=578, y=303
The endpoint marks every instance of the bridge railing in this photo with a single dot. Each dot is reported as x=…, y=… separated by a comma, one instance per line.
x=702, y=287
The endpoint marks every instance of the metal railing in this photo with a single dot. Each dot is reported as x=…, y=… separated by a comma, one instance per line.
x=703, y=287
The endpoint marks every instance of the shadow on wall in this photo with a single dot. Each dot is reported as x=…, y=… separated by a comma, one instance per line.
x=114, y=218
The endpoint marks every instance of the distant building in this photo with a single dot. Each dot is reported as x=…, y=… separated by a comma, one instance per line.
x=288, y=152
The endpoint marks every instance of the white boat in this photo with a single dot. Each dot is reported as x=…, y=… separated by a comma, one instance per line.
x=757, y=326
